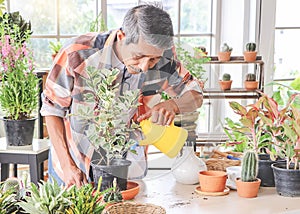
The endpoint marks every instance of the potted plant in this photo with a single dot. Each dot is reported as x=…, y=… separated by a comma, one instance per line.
x=248, y=185
x=250, y=82
x=225, y=82
x=19, y=88
x=55, y=47
x=250, y=53
x=249, y=133
x=200, y=52
x=107, y=126
x=284, y=126
x=225, y=52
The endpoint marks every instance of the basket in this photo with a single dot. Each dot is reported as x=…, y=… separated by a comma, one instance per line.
x=218, y=162
x=134, y=208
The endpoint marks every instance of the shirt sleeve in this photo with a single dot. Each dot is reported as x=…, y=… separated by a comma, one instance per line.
x=57, y=95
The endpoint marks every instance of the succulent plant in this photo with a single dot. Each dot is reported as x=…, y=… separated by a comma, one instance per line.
x=249, y=166
x=250, y=47
x=251, y=77
x=226, y=77
x=225, y=48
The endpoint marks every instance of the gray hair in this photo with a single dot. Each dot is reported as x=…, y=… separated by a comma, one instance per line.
x=151, y=23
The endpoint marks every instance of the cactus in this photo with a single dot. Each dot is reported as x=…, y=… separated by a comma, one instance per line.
x=250, y=47
x=251, y=77
x=225, y=48
x=226, y=77
x=249, y=166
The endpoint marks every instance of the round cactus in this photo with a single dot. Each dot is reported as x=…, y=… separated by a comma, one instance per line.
x=225, y=48
x=250, y=77
x=249, y=167
x=250, y=47
x=226, y=77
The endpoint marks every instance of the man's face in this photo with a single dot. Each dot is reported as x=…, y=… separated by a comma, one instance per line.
x=139, y=57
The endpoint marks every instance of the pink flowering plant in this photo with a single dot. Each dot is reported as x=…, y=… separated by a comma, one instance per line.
x=19, y=85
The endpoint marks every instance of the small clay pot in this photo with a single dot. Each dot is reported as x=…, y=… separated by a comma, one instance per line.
x=212, y=181
x=250, y=56
x=224, y=56
x=251, y=85
x=247, y=189
x=225, y=85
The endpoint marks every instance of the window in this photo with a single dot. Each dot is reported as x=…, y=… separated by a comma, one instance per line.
x=287, y=33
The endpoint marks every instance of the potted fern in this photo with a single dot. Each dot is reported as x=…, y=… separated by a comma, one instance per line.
x=108, y=127
x=248, y=184
x=19, y=87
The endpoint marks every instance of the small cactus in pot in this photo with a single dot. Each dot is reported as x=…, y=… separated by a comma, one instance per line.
x=248, y=184
x=249, y=167
x=250, y=53
x=225, y=52
x=225, y=83
x=250, y=81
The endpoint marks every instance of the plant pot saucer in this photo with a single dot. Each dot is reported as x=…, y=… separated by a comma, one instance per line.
x=133, y=189
x=225, y=192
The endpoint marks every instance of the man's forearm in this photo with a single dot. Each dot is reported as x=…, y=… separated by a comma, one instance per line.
x=56, y=130
x=188, y=102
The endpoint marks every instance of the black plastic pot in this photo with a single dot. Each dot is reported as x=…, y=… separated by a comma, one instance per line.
x=118, y=168
x=265, y=171
x=287, y=181
x=19, y=132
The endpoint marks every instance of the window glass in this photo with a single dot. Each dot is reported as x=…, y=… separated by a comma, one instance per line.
x=195, y=16
x=42, y=15
x=287, y=13
x=76, y=16
x=286, y=53
x=116, y=10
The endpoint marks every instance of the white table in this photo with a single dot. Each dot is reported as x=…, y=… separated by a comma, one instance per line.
x=34, y=155
x=162, y=189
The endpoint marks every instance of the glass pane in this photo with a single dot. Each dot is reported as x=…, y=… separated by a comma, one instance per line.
x=197, y=41
x=76, y=16
x=116, y=10
x=286, y=56
x=287, y=13
x=42, y=15
x=42, y=52
x=195, y=16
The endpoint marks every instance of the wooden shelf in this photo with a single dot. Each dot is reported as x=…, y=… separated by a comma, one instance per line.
x=216, y=93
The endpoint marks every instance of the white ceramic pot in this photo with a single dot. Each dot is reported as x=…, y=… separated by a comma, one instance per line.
x=233, y=172
x=187, y=166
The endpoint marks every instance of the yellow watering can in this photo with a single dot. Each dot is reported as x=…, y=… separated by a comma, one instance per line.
x=168, y=139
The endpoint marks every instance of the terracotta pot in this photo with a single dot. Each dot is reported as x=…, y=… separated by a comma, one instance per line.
x=247, y=189
x=250, y=56
x=251, y=85
x=212, y=181
x=224, y=56
x=225, y=85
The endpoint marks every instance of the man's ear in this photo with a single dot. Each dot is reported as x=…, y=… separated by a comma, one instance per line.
x=120, y=35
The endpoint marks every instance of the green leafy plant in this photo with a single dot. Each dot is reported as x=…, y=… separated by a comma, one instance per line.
x=19, y=88
x=193, y=64
x=98, y=25
x=250, y=47
x=225, y=48
x=86, y=199
x=107, y=126
x=8, y=197
x=55, y=46
x=249, y=166
x=2, y=7
x=46, y=197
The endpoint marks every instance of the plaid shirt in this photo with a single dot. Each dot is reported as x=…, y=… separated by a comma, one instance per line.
x=64, y=88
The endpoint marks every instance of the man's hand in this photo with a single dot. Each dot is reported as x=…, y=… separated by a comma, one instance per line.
x=162, y=114
x=74, y=176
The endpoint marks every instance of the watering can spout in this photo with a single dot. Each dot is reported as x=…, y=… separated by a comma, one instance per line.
x=168, y=139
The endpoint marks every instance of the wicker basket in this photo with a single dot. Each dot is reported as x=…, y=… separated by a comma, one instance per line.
x=134, y=208
x=218, y=162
